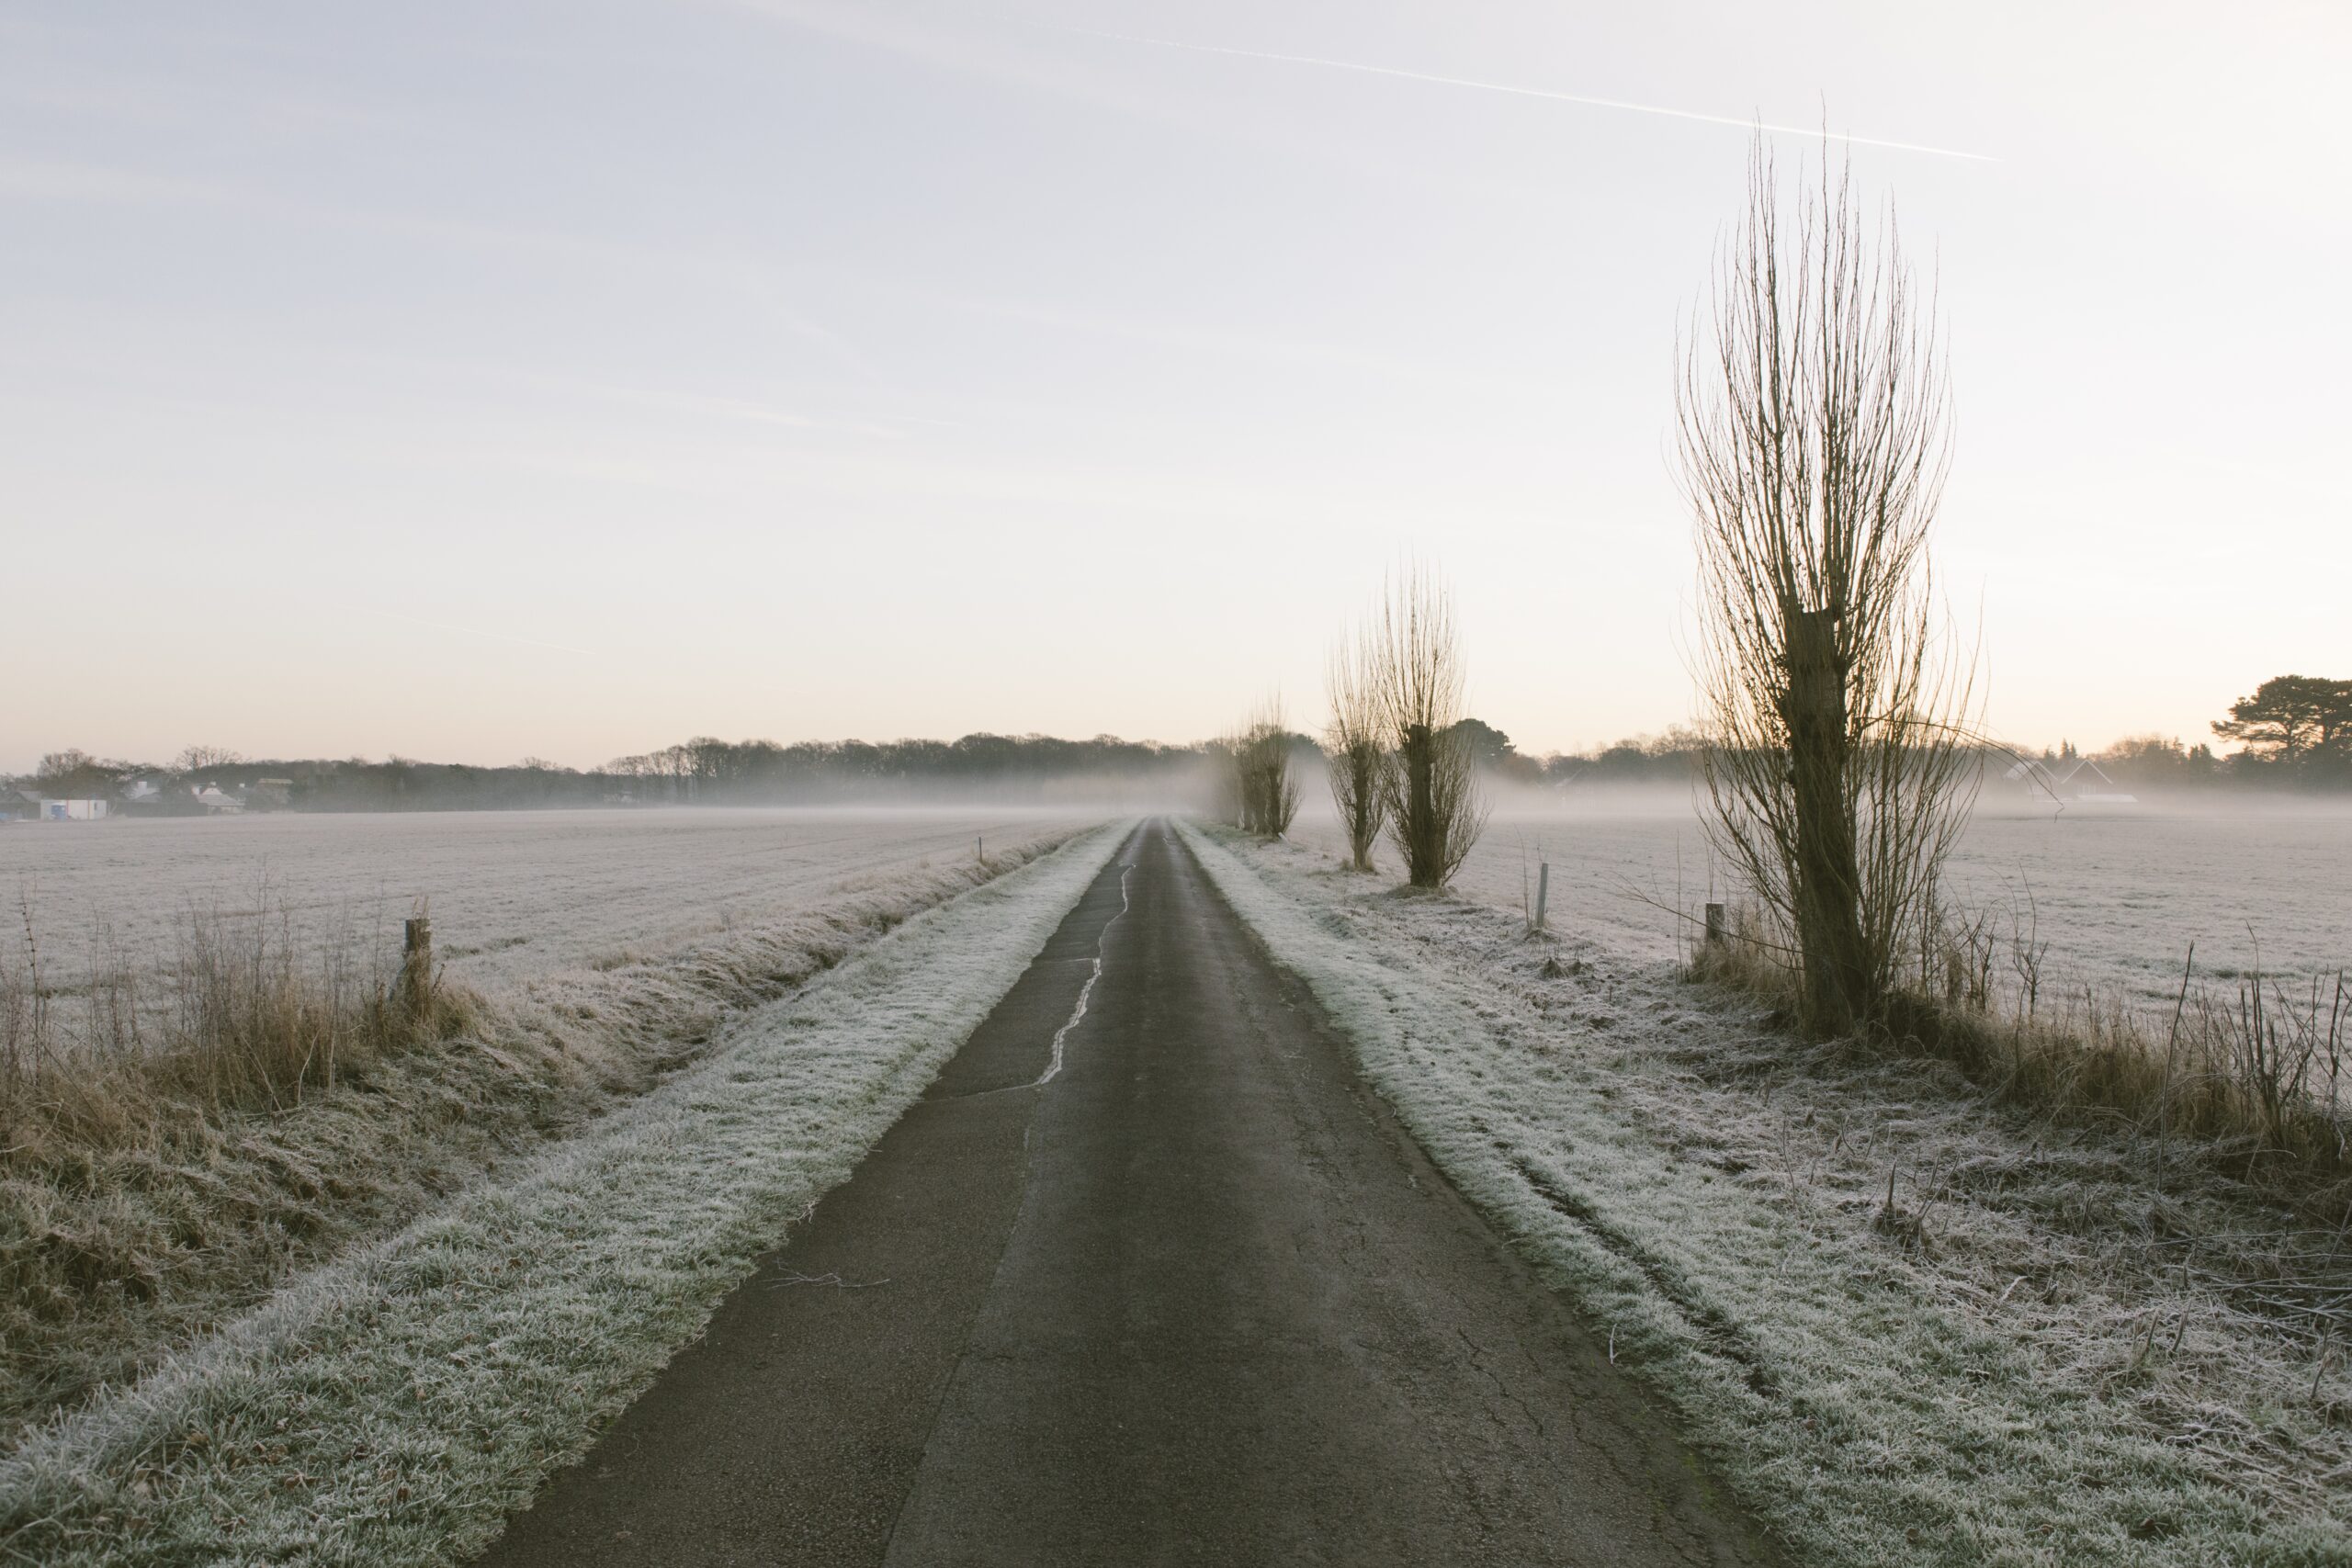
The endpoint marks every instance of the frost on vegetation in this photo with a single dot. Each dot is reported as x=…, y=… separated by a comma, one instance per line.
x=1907, y=1326
x=394, y=1405
x=140, y=1204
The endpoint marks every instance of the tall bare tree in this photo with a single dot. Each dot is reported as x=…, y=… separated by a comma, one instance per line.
x=1434, y=807
x=1356, y=758
x=1814, y=439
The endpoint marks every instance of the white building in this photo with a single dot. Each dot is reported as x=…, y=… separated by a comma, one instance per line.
x=219, y=802
x=72, y=811
x=2069, y=780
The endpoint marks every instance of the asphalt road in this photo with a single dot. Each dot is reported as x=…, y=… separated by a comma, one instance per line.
x=1196, y=1298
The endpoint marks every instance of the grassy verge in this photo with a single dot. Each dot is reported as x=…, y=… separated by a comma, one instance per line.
x=1910, y=1323
x=395, y=1406
x=2255, y=1080
x=173, y=1146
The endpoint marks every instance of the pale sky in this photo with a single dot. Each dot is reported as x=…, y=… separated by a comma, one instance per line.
x=475, y=381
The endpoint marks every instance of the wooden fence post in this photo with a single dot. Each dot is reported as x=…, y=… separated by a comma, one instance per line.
x=1718, y=928
x=416, y=963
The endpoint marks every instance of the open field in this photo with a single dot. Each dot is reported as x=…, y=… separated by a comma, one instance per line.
x=2117, y=897
x=514, y=894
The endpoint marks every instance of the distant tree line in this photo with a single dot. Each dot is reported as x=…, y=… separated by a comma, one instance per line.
x=703, y=771
x=706, y=769
x=2293, y=732
x=709, y=771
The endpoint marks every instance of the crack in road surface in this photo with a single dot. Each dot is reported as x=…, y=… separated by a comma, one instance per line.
x=1203, y=1301
x=1053, y=1065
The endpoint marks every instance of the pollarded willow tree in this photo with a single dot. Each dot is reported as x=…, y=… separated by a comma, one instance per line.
x=1431, y=785
x=1355, y=757
x=1227, y=769
x=1262, y=785
x=1814, y=440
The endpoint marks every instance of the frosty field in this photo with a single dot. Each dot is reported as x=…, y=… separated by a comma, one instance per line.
x=2118, y=897
x=513, y=894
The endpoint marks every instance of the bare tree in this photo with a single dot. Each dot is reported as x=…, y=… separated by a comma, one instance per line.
x=1229, y=758
x=678, y=768
x=1356, y=758
x=1267, y=790
x=1434, y=808
x=1814, y=444
x=199, y=758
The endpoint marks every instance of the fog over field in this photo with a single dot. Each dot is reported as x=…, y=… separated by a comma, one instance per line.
x=2118, y=894
x=511, y=894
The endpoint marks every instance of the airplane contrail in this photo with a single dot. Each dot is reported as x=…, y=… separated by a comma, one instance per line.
x=1533, y=92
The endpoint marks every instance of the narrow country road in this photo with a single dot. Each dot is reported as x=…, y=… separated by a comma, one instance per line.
x=1193, y=1298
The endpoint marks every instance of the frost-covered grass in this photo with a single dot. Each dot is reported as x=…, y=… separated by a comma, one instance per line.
x=157, y=1176
x=395, y=1406
x=2052, y=1346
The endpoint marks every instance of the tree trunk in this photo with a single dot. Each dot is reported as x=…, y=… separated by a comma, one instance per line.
x=1364, y=781
x=1420, y=808
x=1827, y=895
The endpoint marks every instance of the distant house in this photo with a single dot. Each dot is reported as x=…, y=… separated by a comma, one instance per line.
x=15, y=805
x=2089, y=783
x=2069, y=780
x=218, y=801
x=72, y=811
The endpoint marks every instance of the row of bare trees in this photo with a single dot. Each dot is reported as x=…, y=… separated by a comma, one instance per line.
x=1840, y=764
x=1838, y=708
x=1397, y=754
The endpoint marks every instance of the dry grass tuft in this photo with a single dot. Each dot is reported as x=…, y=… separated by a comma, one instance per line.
x=247, y=1017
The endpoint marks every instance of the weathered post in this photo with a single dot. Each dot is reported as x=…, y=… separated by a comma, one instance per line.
x=1543, y=890
x=416, y=965
x=980, y=844
x=1718, y=928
